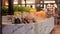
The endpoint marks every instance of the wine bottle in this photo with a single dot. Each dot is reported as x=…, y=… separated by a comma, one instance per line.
x=17, y=21
x=26, y=20
x=23, y=21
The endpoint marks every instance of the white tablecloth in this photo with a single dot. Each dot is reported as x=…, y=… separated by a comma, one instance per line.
x=43, y=27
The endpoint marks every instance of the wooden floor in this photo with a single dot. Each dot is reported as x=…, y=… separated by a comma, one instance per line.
x=56, y=30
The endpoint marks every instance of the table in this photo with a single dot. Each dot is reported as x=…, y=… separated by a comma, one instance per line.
x=42, y=27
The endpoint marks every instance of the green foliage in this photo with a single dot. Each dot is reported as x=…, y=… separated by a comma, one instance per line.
x=33, y=8
x=15, y=8
x=26, y=9
x=21, y=8
x=4, y=9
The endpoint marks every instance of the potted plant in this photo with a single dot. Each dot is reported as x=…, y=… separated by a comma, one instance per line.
x=4, y=10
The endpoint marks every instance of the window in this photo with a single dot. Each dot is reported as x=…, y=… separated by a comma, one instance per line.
x=29, y=3
x=15, y=2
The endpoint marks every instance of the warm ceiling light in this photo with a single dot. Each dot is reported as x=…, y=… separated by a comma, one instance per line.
x=6, y=3
x=49, y=1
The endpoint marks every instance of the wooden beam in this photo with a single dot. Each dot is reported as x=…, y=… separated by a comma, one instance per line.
x=10, y=7
x=25, y=3
x=58, y=5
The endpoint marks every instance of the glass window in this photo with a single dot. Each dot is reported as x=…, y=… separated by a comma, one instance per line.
x=15, y=2
x=23, y=1
x=28, y=3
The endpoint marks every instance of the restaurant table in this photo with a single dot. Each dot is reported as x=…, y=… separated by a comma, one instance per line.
x=41, y=27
